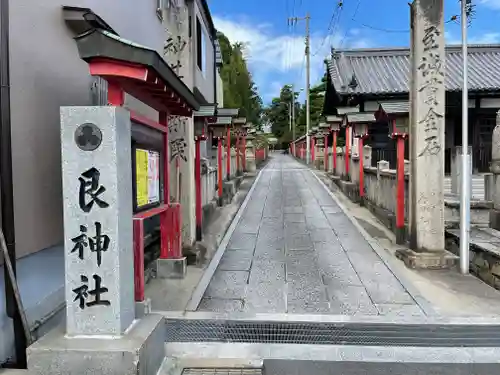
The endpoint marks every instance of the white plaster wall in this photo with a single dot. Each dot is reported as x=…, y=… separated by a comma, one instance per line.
x=47, y=73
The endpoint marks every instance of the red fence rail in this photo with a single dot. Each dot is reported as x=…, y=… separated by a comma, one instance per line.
x=170, y=237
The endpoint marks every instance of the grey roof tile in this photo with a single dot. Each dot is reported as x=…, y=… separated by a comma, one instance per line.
x=386, y=71
x=391, y=107
x=360, y=117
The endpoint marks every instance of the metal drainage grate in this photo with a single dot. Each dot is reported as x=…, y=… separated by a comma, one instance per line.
x=422, y=335
x=222, y=371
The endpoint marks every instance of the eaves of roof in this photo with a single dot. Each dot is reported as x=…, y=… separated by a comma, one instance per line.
x=387, y=71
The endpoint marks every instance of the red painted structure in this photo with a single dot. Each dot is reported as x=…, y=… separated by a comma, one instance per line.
x=361, y=167
x=334, y=151
x=400, y=183
x=325, y=157
x=220, y=169
x=347, y=151
x=145, y=84
x=228, y=152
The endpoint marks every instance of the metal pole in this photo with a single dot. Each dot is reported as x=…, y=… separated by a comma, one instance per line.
x=308, y=72
x=465, y=175
x=289, y=117
x=293, y=113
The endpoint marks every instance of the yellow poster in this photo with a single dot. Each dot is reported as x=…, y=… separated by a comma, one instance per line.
x=141, y=173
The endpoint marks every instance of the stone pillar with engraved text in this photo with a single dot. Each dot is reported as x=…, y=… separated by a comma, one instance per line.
x=427, y=126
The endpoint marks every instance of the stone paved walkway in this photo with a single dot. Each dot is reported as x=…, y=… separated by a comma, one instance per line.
x=295, y=251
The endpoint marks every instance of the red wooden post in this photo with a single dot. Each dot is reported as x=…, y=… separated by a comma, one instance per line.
x=334, y=152
x=347, y=161
x=325, y=157
x=116, y=95
x=197, y=179
x=361, y=171
x=244, y=153
x=400, y=190
x=228, y=161
x=138, y=229
x=313, y=150
x=238, y=154
x=220, y=169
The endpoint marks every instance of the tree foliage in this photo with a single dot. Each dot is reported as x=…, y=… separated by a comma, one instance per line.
x=240, y=90
x=278, y=112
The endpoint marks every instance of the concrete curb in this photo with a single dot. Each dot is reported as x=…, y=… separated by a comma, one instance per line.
x=386, y=258
x=202, y=286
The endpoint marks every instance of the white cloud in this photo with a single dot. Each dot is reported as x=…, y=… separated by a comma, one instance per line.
x=277, y=59
x=484, y=38
x=495, y=4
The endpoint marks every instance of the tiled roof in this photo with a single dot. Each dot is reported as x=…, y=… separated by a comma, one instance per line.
x=333, y=119
x=387, y=71
x=205, y=111
x=360, y=117
x=392, y=107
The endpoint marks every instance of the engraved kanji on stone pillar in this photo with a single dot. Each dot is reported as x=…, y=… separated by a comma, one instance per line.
x=97, y=190
x=427, y=125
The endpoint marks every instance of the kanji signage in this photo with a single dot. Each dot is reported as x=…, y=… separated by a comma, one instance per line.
x=97, y=184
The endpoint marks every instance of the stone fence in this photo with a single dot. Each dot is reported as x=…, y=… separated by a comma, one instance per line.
x=380, y=189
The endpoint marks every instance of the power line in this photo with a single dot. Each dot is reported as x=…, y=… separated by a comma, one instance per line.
x=337, y=11
x=352, y=19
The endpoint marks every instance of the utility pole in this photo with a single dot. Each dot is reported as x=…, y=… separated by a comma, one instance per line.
x=293, y=113
x=294, y=20
x=465, y=173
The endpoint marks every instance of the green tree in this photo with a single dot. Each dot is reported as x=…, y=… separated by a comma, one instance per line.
x=317, y=96
x=239, y=88
x=278, y=114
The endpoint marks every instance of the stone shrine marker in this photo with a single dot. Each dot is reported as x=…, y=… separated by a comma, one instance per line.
x=427, y=96
x=97, y=189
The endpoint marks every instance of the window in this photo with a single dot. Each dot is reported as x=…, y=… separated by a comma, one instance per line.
x=201, y=48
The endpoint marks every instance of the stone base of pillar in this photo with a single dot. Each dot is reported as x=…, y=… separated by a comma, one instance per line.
x=171, y=268
x=495, y=219
x=427, y=260
x=400, y=235
x=142, y=308
x=139, y=351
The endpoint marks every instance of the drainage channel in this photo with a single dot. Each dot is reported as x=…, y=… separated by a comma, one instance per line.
x=332, y=333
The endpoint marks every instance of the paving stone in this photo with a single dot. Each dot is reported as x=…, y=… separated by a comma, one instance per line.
x=227, y=285
x=267, y=270
x=249, y=224
x=382, y=293
x=323, y=235
x=221, y=305
x=293, y=210
x=331, y=209
x=318, y=222
x=236, y=260
x=306, y=298
x=266, y=297
x=294, y=218
x=243, y=241
x=295, y=229
x=298, y=242
x=399, y=310
x=351, y=300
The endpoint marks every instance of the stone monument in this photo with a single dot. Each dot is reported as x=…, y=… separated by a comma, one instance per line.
x=495, y=170
x=102, y=334
x=427, y=123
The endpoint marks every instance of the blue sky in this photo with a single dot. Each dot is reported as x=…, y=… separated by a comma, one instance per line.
x=275, y=50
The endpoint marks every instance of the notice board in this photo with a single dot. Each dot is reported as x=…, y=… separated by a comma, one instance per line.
x=147, y=177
